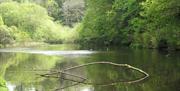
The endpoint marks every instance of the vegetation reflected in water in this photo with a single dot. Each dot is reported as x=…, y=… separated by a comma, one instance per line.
x=21, y=69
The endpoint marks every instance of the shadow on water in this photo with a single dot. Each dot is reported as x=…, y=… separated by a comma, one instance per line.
x=20, y=71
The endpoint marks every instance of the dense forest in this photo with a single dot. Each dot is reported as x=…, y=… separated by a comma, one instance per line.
x=89, y=45
x=133, y=23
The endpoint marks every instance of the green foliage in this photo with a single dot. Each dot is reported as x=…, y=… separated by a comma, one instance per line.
x=68, y=12
x=54, y=9
x=95, y=25
x=69, y=35
x=26, y=17
x=160, y=22
x=135, y=23
x=29, y=22
x=108, y=22
x=139, y=23
x=1, y=21
x=5, y=35
x=3, y=84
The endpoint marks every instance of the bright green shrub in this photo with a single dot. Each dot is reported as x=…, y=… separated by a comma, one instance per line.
x=3, y=84
x=32, y=21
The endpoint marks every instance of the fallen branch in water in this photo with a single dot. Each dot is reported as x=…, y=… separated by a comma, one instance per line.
x=61, y=72
x=93, y=63
x=115, y=64
x=77, y=83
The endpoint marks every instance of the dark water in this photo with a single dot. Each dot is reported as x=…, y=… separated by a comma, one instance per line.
x=20, y=69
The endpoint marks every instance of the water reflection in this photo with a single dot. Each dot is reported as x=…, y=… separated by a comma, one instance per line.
x=11, y=87
x=48, y=52
x=20, y=71
x=86, y=89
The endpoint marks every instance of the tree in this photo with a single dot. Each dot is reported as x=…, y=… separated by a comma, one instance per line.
x=31, y=20
x=109, y=21
x=160, y=21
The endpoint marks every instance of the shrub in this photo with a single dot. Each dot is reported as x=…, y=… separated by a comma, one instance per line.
x=5, y=35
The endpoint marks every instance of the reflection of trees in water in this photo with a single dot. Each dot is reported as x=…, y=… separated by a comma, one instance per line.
x=67, y=73
x=5, y=62
x=63, y=82
x=19, y=68
x=107, y=74
x=164, y=71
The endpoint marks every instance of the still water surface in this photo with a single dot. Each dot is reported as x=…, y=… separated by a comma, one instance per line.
x=20, y=69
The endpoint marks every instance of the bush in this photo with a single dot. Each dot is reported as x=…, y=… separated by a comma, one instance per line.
x=5, y=35
x=32, y=21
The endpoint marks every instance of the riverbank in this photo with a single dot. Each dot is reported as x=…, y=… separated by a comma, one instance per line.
x=90, y=46
x=24, y=44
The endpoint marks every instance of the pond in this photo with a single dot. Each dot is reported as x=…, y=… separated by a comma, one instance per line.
x=21, y=69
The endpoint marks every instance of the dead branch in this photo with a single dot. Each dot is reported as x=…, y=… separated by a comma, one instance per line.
x=93, y=63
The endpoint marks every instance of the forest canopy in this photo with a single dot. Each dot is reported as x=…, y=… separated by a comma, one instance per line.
x=134, y=23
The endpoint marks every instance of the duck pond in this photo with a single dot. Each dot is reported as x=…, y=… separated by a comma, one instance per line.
x=76, y=68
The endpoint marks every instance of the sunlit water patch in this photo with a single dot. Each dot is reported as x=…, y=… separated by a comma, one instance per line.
x=11, y=87
x=48, y=52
